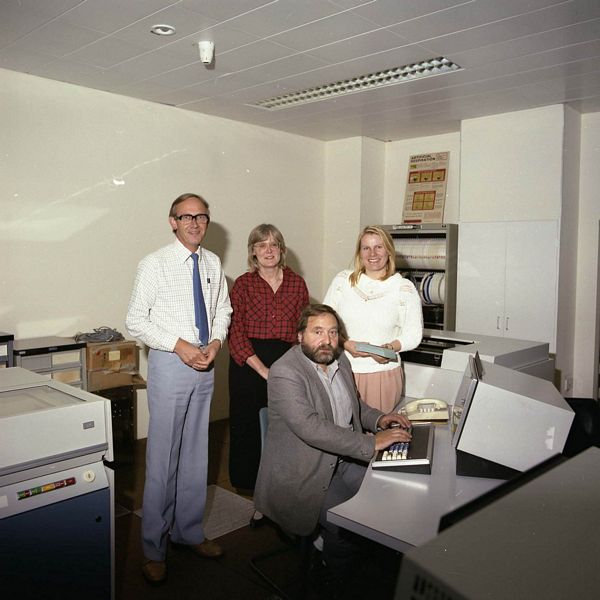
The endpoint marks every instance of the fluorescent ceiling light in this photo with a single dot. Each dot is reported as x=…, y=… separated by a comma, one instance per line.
x=425, y=68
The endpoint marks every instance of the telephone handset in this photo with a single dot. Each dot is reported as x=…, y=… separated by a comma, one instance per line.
x=426, y=409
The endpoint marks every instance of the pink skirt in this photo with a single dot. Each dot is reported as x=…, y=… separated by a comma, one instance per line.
x=381, y=390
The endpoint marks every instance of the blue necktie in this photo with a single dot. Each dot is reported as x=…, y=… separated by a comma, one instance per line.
x=199, y=307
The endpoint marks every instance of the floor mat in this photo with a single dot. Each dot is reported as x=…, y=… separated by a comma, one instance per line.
x=225, y=512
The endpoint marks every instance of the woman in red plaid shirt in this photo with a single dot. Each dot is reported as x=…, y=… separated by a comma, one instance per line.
x=267, y=302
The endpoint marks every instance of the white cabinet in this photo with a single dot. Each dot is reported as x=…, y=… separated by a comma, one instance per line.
x=507, y=280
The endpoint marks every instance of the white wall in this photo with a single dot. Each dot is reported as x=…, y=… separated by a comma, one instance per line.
x=396, y=173
x=88, y=178
x=87, y=181
x=569, y=227
x=587, y=334
x=341, y=219
x=354, y=192
x=511, y=166
x=373, y=181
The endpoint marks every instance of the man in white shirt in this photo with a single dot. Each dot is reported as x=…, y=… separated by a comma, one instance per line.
x=164, y=314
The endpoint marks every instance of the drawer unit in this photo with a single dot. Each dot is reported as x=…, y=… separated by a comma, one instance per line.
x=61, y=358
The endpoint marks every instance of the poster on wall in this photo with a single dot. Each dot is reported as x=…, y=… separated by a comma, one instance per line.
x=426, y=188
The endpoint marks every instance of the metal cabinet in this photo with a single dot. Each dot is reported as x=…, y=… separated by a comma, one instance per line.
x=60, y=357
x=426, y=254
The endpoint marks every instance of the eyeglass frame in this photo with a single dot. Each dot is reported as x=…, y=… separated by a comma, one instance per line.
x=266, y=245
x=187, y=218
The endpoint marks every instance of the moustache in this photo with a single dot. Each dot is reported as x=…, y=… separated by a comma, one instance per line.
x=325, y=348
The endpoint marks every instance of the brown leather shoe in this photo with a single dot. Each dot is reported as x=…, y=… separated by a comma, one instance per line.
x=207, y=549
x=155, y=571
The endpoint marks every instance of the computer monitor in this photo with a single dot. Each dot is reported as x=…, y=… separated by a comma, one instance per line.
x=464, y=395
x=509, y=422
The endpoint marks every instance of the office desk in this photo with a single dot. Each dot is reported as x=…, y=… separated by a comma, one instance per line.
x=402, y=510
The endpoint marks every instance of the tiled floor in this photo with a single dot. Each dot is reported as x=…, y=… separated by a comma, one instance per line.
x=230, y=577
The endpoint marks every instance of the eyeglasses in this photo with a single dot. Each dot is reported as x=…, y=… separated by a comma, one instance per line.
x=262, y=246
x=201, y=218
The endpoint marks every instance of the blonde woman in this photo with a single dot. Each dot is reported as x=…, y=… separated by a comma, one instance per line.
x=378, y=306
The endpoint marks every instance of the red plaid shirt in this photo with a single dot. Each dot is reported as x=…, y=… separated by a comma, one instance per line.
x=259, y=313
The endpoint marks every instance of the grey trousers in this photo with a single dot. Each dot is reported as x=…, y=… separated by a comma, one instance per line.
x=339, y=545
x=177, y=453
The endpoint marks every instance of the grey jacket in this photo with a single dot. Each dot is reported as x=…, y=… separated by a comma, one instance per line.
x=303, y=443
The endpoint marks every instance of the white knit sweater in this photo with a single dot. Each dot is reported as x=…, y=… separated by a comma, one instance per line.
x=377, y=312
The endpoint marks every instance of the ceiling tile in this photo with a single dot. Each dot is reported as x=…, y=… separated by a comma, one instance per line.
x=146, y=90
x=150, y=64
x=389, y=12
x=464, y=17
x=185, y=22
x=514, y=53
x=58, y=38
x=18, y=17
x=106, y=52
x=396, y=57
x=225, y=10
x=250, y=55
x=284, y=68
x=277, y=17
x=109, y=16
x=324, y=31
x=22, y=59
x=225, y=39
x=184, y=76
x=358, y=46
x=77, y=73
x=231, y=110
x=550, y=20
x=529, y=44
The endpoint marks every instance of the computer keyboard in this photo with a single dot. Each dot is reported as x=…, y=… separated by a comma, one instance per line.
x=415, y=456
x=397, y=451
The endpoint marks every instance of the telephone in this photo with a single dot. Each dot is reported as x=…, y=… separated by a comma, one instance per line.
x=426, y=409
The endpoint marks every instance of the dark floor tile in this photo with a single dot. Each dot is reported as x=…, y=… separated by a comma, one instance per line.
x=230, y=577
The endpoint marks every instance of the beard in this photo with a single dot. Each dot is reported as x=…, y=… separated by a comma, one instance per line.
x=324, y=354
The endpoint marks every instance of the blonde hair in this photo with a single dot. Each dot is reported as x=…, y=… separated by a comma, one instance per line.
x=259, y=234
x=388, y=244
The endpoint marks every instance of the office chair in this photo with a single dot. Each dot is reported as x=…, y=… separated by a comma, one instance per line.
x=290, y=542
x=585, y=430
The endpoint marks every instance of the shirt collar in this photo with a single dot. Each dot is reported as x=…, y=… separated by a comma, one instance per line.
x=182, y=252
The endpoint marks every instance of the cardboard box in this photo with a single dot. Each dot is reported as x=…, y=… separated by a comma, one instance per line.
x=112, y=365
x=104, y=380
x=113, y=356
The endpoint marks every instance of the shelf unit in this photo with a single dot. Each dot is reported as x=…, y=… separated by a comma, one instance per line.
x=60, y=357
x=442, y=239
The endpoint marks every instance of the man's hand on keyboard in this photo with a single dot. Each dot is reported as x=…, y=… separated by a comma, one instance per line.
x=384, y=439
x=394, y=420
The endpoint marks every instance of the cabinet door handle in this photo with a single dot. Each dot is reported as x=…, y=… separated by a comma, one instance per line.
x=506, y=323
x=498, y=322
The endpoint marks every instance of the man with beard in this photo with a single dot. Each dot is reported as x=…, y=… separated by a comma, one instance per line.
x=316, y=449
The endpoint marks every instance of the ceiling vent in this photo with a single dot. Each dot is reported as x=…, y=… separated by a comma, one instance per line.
x=425, y=68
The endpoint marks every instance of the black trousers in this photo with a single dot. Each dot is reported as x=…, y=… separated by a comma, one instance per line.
x=247, y=395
